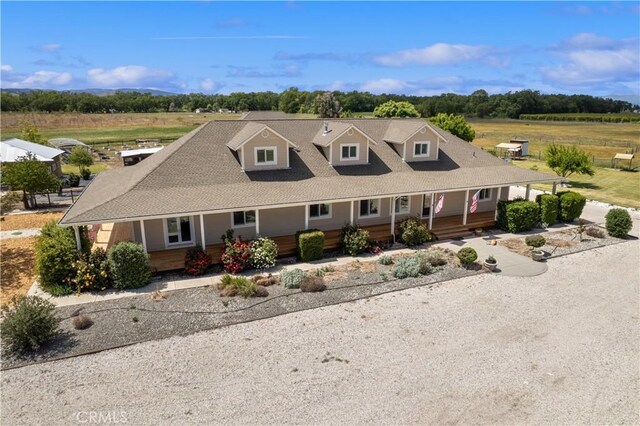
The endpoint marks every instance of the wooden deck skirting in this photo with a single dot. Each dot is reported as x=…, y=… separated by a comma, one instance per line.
x=443, y=227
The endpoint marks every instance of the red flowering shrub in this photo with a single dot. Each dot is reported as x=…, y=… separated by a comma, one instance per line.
x=196, y=261
x=236, y=256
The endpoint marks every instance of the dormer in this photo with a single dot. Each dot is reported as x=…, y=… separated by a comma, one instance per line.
x=413, y=140
x=259, y=147
x=343, y=143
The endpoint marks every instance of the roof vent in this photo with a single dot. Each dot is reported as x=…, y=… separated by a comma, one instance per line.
x=325, y=130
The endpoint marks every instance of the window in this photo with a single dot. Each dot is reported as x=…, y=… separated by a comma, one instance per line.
x=426, y=206
x=421, y=149
x=266, y=156
x=349, y=152
x=317, y=211
x=179, y=230
x=402, y=204
x=485, y=194
x=245, y=218
x=369, y=208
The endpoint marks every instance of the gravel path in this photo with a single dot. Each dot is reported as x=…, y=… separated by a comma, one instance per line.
x=558, y=348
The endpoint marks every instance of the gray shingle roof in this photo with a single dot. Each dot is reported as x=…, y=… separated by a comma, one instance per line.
x=199, y=173
x=265, y=115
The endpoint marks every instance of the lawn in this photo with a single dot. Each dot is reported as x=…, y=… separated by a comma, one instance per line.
x=609, y=185
x=95, y=168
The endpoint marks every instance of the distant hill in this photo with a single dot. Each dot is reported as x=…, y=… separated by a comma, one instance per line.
x=99, y=92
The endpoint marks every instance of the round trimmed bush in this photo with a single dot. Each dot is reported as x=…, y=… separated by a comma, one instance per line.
x=571, y=205
x=618, y=222
x=28, y=324
x=467, y=255
x=535, y=241
x=129, y=265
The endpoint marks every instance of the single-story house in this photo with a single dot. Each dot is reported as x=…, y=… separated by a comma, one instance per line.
x=134, y=156
x=275, y=177
x=265, y=115
x=67, y=144
x=13, y=149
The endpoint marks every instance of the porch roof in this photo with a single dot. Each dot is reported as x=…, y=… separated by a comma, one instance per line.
x=199, y=174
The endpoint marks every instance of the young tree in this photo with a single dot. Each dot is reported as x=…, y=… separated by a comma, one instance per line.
x=454, y=124
x=396, y=109
x=80, y=157
x=565, y=161
x=328, y=106
x=30, y=176
x=30, y=132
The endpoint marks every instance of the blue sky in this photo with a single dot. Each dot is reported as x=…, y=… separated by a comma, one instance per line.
x=421, y=48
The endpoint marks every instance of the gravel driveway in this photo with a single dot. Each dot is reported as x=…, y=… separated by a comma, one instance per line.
x=561, y=347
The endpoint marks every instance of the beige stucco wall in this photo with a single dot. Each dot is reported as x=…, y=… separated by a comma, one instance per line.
x=427, y=136
x=355, y=138
x=340, y=214
x=155, y=234
x=284, y=221
x=282, y=151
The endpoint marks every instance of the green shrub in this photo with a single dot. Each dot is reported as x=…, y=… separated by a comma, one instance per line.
x=86, y=173
x=129, y=265
x=549, y=206
x=238, y=286
x=517, y=215
x=413, y=232
x=406, y=267
x=436, y=258
x=424, y=263
x=385, y=259
x=355, y=240
x=310, y=245
x=292, y=278
x=196, y=261
x=56, y=254
x=28, y=324
x=571, y=205
x=535, y=241
x=73, y=180
x=92, y=272
x=467, y=256
x=312, y=284
x=618, y=222
x=263, y=253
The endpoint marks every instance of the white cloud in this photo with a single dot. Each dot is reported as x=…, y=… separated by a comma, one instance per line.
x=130, y=75
x=209, y=85
x=437, y=54
x=48, y=47
x=590, y=59
x=39, y=79
x=385, y=85
x=6, y=68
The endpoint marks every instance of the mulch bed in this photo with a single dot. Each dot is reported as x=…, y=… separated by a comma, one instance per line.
x=141, y=318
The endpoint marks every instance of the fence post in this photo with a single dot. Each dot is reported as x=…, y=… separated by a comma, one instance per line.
x=72, y=199
x=49, y=198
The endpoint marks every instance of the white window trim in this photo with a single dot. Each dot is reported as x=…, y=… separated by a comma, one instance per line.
x=408, y=204
x=245, y=225
x=428, y=143
x=357, y=157
x=266, y=163
x=326, y=216
x=179, y=243
x=369, y=215
x=482, y=200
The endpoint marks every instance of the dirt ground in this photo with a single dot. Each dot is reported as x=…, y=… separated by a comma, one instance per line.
x=17, y=257
x=27, y=221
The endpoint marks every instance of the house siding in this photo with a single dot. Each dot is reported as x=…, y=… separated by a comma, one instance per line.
x=356, y=138
x=283, y=221
x=259, y=141
x=427, y=136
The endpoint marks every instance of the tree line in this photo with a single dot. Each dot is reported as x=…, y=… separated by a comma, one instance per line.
x=478, y=104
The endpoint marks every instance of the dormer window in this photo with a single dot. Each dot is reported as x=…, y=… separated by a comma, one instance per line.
x=349, y=152
x=421, y=149
x=266, y=156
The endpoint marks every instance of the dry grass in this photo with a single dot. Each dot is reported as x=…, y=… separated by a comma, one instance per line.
x=17, y=256
x=516, y=245
x=557, y=242
x=27, y=221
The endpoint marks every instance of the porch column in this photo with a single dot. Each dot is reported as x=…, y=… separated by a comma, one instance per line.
x=351, y=213
x=393, y=218
x=144, y=237
x=433, y=196
x=204, y=244
x=257, y=222
x=553, y=188
x=306, y=216
x=466, y=207
x=78, y=241
x=527, y=192
x=498, y=193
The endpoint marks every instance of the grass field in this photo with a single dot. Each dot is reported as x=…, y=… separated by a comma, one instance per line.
x=18, y=260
